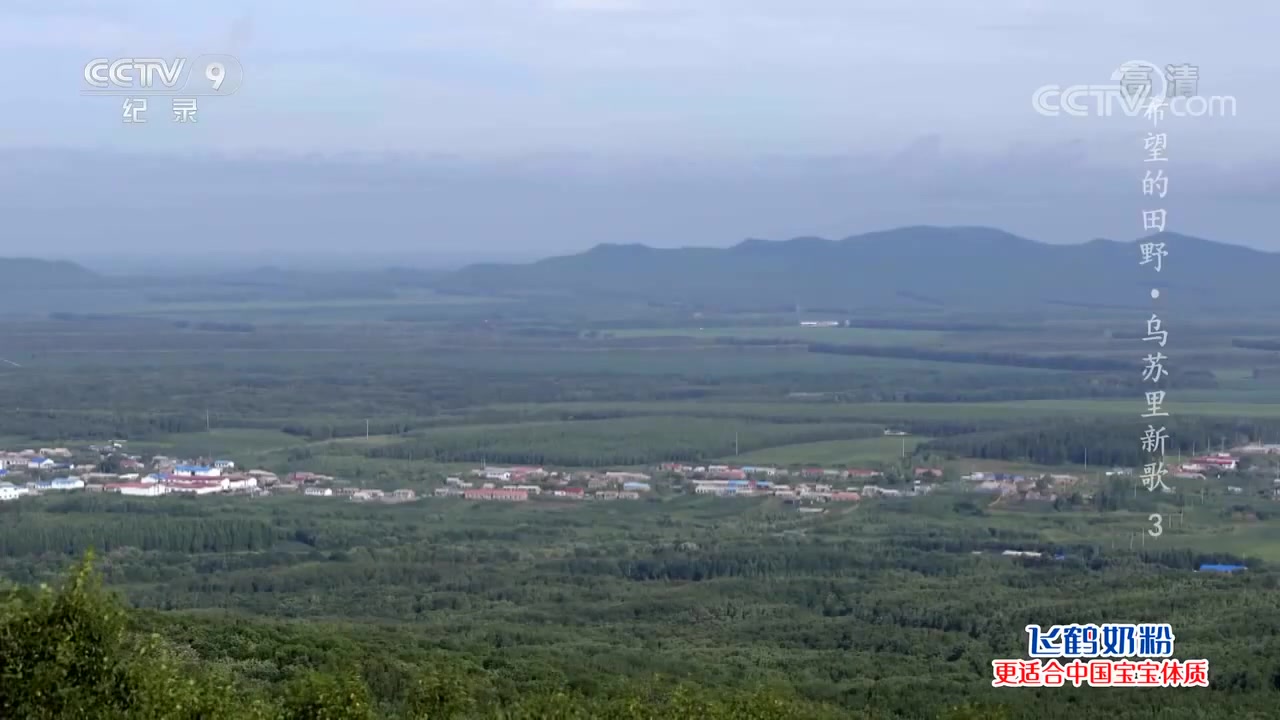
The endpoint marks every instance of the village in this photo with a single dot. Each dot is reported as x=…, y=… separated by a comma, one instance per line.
x=33, y=472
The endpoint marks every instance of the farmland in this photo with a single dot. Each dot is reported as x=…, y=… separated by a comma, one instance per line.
x=874, y=450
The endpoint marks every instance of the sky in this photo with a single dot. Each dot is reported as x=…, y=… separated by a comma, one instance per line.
x=454, y=130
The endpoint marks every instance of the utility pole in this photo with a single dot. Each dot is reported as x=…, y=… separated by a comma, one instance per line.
x=366, y=429
x=206, y=420
x=735, y=443
x=1130, y=541
x=1086, y=460
x=904, y=448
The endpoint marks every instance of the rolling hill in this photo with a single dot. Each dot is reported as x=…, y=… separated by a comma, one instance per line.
x=31, y=272
x=912, y=266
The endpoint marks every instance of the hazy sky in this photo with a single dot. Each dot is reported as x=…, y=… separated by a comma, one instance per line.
x=522, y=127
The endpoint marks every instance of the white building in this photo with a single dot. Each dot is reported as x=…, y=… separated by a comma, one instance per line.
x=192, y=488
x=318, y=492
x=241, y=483
x=139, y=489
x=627, y=476
x=9, y=492
x=197, y=471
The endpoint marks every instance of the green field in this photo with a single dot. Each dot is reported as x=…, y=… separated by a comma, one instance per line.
x=250, y=444
x=833, y=453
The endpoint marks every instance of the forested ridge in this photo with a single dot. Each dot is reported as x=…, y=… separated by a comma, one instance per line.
x=297, y=608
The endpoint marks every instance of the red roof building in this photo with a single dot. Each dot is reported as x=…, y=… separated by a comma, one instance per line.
x=1219, y=460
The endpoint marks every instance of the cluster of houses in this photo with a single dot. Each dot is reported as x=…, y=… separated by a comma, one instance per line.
x=362, y=495
x=758, y=488
x=730, y=472
x=802, y=492
x=1197, y=467
x=1022, y=486
x=32, y=459
x=517, y=484
x=47, y=470
x=804, y=485
x=169, y=477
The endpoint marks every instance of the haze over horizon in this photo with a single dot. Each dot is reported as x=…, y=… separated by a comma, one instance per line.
x=460, y=131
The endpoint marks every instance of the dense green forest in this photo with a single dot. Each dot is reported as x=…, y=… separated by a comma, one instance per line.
x=676, y=608
x=1113, y=443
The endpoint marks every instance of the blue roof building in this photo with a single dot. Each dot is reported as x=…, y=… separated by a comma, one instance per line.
x=1221, y=568
x=195, y=470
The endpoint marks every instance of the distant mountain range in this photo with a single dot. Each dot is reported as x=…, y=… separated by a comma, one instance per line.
x=973, y=267
x=927, y=268
x=32, y=272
